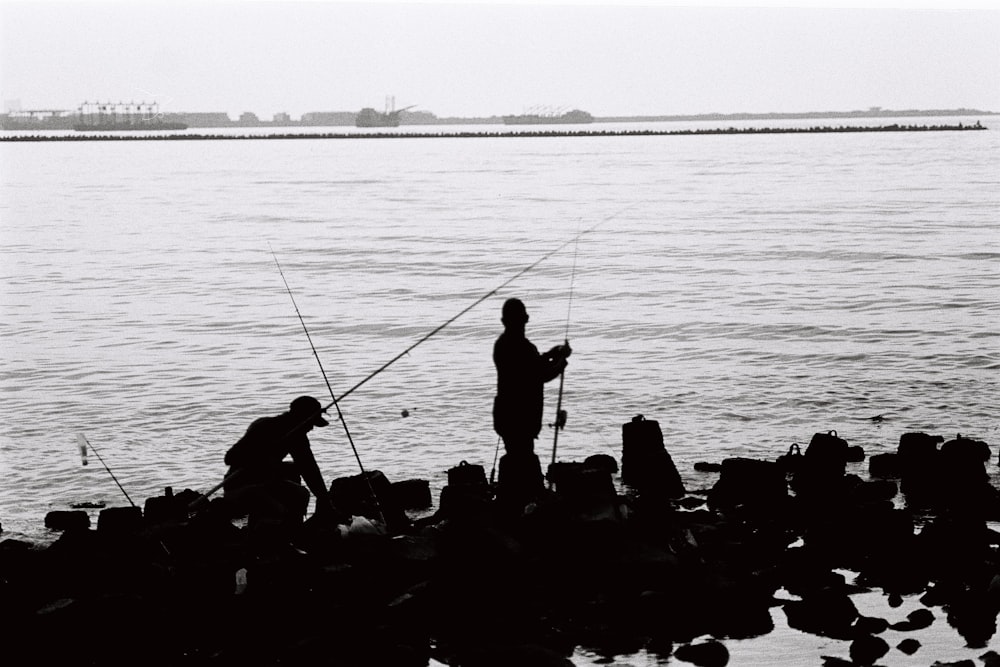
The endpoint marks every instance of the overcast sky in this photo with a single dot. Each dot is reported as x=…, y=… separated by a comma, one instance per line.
x=482, y=59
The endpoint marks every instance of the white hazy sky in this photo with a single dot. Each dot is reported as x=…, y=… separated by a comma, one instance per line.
x=482, y=58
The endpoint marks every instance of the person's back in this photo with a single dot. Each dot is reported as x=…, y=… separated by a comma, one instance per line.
x=261, y=482
x=517, y=408
x=266, y=443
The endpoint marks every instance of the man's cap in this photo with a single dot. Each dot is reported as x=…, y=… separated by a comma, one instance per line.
x=513, y=311
x=307, y=405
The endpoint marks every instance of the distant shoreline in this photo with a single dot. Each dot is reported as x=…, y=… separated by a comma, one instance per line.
x=960, y=127
x=65, y=120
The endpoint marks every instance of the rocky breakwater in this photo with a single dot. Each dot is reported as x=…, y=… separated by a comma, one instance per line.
x=591, y=565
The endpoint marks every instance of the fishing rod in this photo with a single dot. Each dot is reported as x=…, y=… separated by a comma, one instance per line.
x=560, y=421
x=84, y=444
x=336, y=403
x=426, y=337
x=480, y=300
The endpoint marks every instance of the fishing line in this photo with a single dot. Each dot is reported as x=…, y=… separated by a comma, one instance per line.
x=481, y=299
x=340, y=414
x=84, y=444
x=405, y=352
x=560, y=421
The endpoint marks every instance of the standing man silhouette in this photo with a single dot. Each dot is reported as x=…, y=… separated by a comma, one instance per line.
x=517, y=409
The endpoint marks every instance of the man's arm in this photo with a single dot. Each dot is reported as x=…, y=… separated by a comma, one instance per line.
x=305, y=461
x=554, y=361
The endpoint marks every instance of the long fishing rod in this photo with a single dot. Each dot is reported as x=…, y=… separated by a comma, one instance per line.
x=84, y=444
x=560, y=421
x=340, y=414
x=480, y=300
x=402, y=354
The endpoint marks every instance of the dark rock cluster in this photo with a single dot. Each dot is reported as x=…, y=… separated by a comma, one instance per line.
x=480, y=583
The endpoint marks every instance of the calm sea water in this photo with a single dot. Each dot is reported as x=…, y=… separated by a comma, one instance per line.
x=745, y=291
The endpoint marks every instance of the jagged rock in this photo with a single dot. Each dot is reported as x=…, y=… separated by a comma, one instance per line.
x=581, y=482
x=870, y=625
x=873, y=491
x=169, y=506
x=706, y=654
x=67, y=520
x=369, y=495
x=831, y=661
x=967, y=447
x=602, y=462
x=827, y=613
x=884, y=466
x=916, y=620
x=990, y=659
x=749, y=483
x=411, y=494
x=646, y=464
x=524, y=655
x=119, y=520
x=821, y=472
x=790, y=461
x=865, y=650
x=973, y=613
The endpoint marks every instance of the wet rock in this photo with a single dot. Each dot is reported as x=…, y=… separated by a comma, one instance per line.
x=706, y=654
x=954, y=546
x=119, y=520
x=604, y=462
x=826, y=613
x=830, y=661
x=526, y=655
x=169, y=506
x=661, y=647
x=750, y=483
x=369, y=495
x=869, y=625
x=855, y=454
x=646, y=464
x=67, y=520
x=463, y=500
x=885, y=466
x=872, y=536
x=706, y=466
x=920, y=445
x=990, y=659
x=519, y=482
x=411, y=494
x=581, y=482
x=790, y=461
x=865, y=650
x=916, y=620
x=908, y=646
x=967, y=447
x=821, y=472
x=973, y=613
x=873, y=491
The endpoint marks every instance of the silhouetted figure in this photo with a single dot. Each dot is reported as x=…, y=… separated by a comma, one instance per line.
x=260, y=482
x=517, y=408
